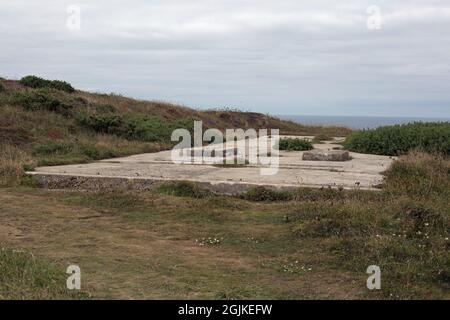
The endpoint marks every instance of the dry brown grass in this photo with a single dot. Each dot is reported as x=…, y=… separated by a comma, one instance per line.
x=12, y=162
x=419, y=174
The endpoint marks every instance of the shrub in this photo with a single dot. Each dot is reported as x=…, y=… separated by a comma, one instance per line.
x=36, y=82
x=184, y=189
x=103, y=108
x=102, y=123
x=264, y=194
x=399, y=139
x=296, y=144
x=133, y=126
x=2, y=88
x=40, y=100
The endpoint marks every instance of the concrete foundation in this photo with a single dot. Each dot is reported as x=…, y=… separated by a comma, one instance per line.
x=145, y=171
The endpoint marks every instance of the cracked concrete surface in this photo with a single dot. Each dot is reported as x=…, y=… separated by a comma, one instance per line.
x=362, y=171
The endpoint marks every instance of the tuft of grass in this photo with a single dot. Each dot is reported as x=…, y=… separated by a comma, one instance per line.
x=295, y=144
x=265, y=194
x=419, y=174
x=321, y=137
x=52, y=147
x=12, y=163
x=24, y=277
x=37, y=82
x=400, y=139
x=184, y=189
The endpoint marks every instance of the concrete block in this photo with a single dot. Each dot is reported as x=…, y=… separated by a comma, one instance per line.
x=324, y=155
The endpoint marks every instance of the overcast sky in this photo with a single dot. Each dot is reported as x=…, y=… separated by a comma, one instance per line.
x=311, y=57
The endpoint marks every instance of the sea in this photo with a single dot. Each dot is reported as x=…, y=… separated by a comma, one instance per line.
x=358, y=122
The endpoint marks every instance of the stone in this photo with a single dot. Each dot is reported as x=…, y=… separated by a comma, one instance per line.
x=326, y=155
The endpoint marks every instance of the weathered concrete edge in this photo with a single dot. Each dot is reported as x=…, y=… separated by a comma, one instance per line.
x=95, y=183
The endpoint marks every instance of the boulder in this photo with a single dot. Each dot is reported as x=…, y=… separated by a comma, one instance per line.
x=324, y=155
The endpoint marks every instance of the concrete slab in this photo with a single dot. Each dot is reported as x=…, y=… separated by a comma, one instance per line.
x=145, y=171
x=326, y=155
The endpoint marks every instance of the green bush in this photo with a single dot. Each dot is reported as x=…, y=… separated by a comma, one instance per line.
x=133, y=126
x=52, y=147
x=36, y=82
x=2, y=88
x=296, y=144
x=264, y=194
x=102, y=123
x=104, y=108
x=399, y=139
x=39, y=100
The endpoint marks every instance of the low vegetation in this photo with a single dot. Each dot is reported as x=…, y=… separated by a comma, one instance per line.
x=36, y=82
x=265, y=194
x=184, y=189
x=308, y=243
x=23, y=276
x=321, y=138
x=399, y=139
x=294, y=144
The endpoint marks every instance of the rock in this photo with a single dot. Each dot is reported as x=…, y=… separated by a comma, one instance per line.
x=324, y=155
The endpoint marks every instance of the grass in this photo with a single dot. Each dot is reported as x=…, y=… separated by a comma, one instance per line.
x=320, y=138
x=265, y=194
x=310, y=243
x=400, y=139
x=184, y=189
x=24, y=277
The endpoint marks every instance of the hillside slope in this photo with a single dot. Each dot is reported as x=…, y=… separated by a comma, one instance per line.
x=46, y=122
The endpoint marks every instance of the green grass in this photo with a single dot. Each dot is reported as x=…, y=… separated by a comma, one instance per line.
x=294, y=144
x=399, y=139
x=184, y=189
x=23, y=277
x=265, y=194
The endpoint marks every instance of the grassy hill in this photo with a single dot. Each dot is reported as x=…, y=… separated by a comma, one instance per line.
x=164, y=244
x=45, y=122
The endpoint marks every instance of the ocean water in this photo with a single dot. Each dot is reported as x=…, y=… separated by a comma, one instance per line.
x=357, y=122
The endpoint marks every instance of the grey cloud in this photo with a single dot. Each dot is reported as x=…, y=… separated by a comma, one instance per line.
x=291, y=57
